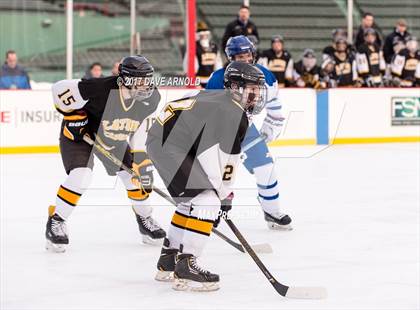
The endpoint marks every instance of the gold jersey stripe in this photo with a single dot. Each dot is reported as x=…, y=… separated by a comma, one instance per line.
x=137, y=194
x=192, y=224
x=68, y=196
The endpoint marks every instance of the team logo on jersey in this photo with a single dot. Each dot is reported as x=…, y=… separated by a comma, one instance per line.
x=405, y=111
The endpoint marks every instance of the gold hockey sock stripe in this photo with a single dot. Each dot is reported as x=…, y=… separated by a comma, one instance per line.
x=68, y=196
x=137, y=194
x=192, y=224
x=51, y=210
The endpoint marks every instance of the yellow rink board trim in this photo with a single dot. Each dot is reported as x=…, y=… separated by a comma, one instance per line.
x=29, y=149
x=374, y=140
x=286, y=142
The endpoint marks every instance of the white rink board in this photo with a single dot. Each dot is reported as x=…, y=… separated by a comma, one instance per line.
x=31, y=120
x=359, y=113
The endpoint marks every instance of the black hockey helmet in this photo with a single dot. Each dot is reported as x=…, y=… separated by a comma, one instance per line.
x=246, y=83
x=136, y=73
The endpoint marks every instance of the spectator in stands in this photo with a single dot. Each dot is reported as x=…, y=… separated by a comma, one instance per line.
x=95, y=71
x=278, y=61
x=405, y=67
x=12, y=75
x=242, y=25
x=306, y=70
x=399, y=34
x=207, y=57
x=368, y=21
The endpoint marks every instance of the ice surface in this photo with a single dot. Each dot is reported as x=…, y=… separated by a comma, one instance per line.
x=355, y=211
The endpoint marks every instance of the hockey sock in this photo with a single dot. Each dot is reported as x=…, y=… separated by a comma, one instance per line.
x=137, y=197
x=70, y=191
x=268, y=188
x=191, y=224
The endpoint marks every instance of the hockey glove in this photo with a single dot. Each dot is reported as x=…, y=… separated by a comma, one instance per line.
x=143, y=167
x=226, y=206
x=271, y=127
x=75, y=125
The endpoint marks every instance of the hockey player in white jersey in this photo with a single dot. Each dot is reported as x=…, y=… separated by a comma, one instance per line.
x=111, y=110
x=258, y=159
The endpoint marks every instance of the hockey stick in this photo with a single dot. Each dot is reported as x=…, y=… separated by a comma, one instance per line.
x=283, y=290
x=261, y=248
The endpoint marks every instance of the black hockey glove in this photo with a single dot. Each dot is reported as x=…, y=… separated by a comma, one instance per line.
x=75, y=125
x=143, y=167
x=226, y=206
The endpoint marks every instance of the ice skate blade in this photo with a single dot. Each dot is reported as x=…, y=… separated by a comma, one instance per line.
x=193, y=286
x=55, y=248
x=275, y=226
x=165, y=276
x=149, y=240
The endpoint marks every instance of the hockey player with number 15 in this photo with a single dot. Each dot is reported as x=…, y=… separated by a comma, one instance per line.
x=110, y=110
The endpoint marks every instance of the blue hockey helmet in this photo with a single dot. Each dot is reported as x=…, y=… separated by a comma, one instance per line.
x=239, y=45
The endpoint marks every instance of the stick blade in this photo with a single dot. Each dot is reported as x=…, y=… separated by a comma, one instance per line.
x=306, y=292
x=262, y=248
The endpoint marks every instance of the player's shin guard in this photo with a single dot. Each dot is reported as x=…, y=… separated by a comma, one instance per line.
x=268, y=195
x=268, y=188
x=150, y=230
x=68, y=196
x=71, y=190
x=190, y=228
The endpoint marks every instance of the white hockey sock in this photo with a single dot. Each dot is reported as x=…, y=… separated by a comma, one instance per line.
x=71, y=190
x=138, y=198
x=191, y=226
x=268, y=188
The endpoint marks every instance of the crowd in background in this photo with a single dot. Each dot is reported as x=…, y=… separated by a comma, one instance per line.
x=371, y=60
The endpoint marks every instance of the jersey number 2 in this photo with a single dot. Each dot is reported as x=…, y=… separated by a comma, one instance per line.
x=227, y=175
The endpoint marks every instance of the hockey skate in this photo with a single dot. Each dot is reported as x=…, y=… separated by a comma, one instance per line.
x=150, y=230
x=191, y=277
x=56, y=234
x=166, y=263
x=278, y=221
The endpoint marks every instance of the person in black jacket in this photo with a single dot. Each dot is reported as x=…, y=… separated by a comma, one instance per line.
x=400, y=33
x=368, y=21
x=242, y=25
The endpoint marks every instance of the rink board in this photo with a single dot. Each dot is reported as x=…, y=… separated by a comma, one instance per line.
x=30, y=124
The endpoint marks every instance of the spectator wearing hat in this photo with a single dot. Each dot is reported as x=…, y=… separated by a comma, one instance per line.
x=242, y=25
x=307, y=71
x=12, y=75
x=207, y=57
x=399, y=35
x=368, y=21
x=370, y=61
x=278, y=61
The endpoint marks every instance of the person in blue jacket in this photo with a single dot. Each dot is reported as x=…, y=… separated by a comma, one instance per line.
x=258, y=160
x=13, y=76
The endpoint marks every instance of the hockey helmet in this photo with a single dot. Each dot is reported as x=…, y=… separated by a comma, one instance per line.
x=239, y=45
x=246, y=83
x=136, y=73
x=411, y=44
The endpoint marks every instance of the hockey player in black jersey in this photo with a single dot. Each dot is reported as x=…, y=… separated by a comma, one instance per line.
x=278, y=61
x=307, y=70
x=370, y=61
x=405, y=66
x=111, y=111
x=195, y=145
x=345, y=69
